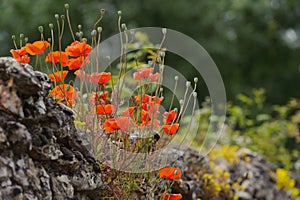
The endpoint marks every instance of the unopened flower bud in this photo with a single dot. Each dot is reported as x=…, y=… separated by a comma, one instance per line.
x=26, y=39
x=102, y=11
x=67, y=6
x=79, y=26
x=162, y=54
x=123, y=26
x=62, y=17
x=164, y=31
x=119, y=12
x=176, y=78
x=51, y=26
x=21, y=35
x=194, y=94
x=188, y=84
x=99, y=29
x=93, y=33
x=41, y=29
x=161, y=89
x=56, y=16
x=181, y=102
x=13, y=37
x=176, y=109
x=195, y=79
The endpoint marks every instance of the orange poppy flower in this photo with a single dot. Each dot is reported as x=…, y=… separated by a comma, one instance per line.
x=37, y=47
x=128, y=112
x=82, y=75
x=77, y=49
x=63, y=91
x=154, y=77
x=103, y=109
x=157, y=100
x=23, y=59
x=100, y=78
x=98, y=98
x=119, y=123
x=76, y=63
x=58, y=76
x=170, y=173
x=57, y=57
x=20, y=55
x=169, y=116
x=145, y=98
x=171, y=129
x=145, y=117
x=168, y=196
x=142, y=73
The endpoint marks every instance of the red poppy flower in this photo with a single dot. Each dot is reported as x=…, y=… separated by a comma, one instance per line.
x=76, y=63
x=37, y=47
x=168, y=196
x=145, y=117
x=98, y=98
x=154, y=77
x=82, y=75
x=58, y=76
x=129, y=112
x=157, y=99
x=20, y=55
x=63, y=91
x=142, y=73
x=23, y=59
x=103, y=109
x=100, y=78
x=171, y=129
x=145, y=98
x=77, y=49
x=169, y=116
x=57, y=57
x=119, y=123
x=170, y=173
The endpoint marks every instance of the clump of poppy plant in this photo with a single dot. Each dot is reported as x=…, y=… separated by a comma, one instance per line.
x=97, y=101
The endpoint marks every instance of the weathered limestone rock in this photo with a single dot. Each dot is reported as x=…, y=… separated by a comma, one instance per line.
x=41, y=156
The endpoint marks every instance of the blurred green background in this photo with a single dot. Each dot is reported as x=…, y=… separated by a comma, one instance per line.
x=254, y=43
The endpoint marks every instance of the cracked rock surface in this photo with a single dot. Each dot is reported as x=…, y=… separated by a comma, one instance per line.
x=41, y=153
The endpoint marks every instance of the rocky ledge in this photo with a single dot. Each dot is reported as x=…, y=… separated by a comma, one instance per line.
x=41, y=154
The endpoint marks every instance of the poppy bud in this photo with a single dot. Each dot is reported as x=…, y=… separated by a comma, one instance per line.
x=41, y=29
x=93, y=33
